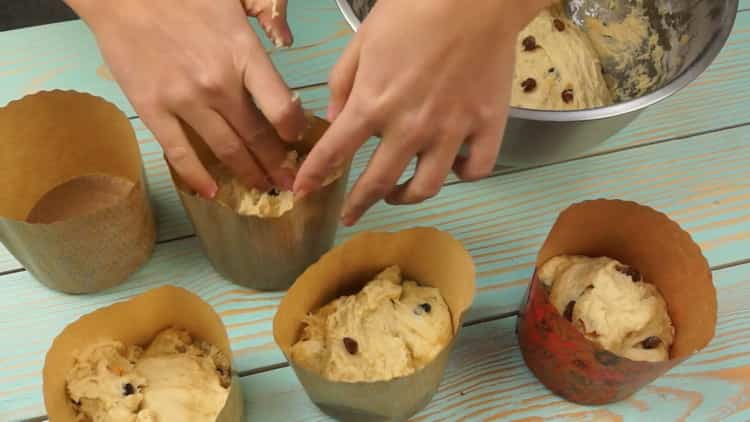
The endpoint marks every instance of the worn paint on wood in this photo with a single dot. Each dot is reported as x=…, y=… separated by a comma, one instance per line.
x=487, y=380
x=701, y=182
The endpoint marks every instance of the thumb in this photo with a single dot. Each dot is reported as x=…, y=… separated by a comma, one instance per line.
x=271, y=15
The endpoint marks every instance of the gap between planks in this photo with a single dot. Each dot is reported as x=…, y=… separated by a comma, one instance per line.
x=490, y=318
x=514, y=171
x=478, y=321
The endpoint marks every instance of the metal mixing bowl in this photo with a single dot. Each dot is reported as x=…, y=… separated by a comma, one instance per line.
x=537, y=136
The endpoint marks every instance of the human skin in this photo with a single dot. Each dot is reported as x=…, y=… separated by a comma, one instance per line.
x=427, y=76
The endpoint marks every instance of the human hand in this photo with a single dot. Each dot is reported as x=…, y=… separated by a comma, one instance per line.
x=199, y=62
x=428, y=77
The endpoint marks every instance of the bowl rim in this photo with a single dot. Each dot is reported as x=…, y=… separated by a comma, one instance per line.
x=691, y=72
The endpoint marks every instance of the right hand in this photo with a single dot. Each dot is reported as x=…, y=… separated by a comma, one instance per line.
x=200, y=63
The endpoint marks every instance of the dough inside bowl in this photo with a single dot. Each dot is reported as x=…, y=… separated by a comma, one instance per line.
x=594, y=53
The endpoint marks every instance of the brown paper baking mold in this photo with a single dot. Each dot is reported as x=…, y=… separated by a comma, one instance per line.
x=430, y=257
x=265, y=253
x=560, y=356
x=73, y=203
x=136, y=321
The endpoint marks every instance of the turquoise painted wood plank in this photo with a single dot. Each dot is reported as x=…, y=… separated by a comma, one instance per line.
x=725, y=81
x=65, y=55
x=701, y=182
x=486, y=379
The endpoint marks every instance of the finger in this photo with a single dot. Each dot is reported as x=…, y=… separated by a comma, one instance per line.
x=261, y=139
x=273, y=20
x=171, y=136
x=341, y=79
x=483, y=148
x=432, y=168
x=386, y=166
x=228, y=147
x=337, y=147
x=282, y=108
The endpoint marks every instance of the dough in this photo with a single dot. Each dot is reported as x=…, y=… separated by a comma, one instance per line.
x=174, y=379
x=389, y=329
x=611, y=305
x=557, y=67
x=630, y=49
x=253, y=202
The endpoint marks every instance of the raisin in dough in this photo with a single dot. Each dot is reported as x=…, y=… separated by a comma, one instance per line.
x=174, y=379
x=557, y=61
x=253, y=202
x=389, y=329
x=611, y=305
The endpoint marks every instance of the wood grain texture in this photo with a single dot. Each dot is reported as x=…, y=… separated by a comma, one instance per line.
x=65, y=56
x=701, y=182
x=487, y=380
x=725, y=81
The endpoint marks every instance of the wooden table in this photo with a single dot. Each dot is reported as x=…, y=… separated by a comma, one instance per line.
x=688, y=156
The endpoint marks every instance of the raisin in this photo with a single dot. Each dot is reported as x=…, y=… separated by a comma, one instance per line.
x=529, y=43
x=528, y=85
x=273, y=192
x=651, y=342
x=568, y=314
x=551, y=70
x=426, y=306
x=631, y=272
x=128, y=389
x=559, y=25
x=567, y=96
x=351, y=345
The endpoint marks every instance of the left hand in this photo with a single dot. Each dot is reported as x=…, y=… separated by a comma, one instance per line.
x=428, y=76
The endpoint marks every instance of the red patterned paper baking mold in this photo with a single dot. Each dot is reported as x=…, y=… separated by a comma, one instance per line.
x=572, y=366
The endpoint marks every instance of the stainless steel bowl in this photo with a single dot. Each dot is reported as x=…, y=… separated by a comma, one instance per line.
x=537, y=136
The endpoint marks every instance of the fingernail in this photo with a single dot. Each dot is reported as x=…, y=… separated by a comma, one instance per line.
x=211, y=193
x=347, y=220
